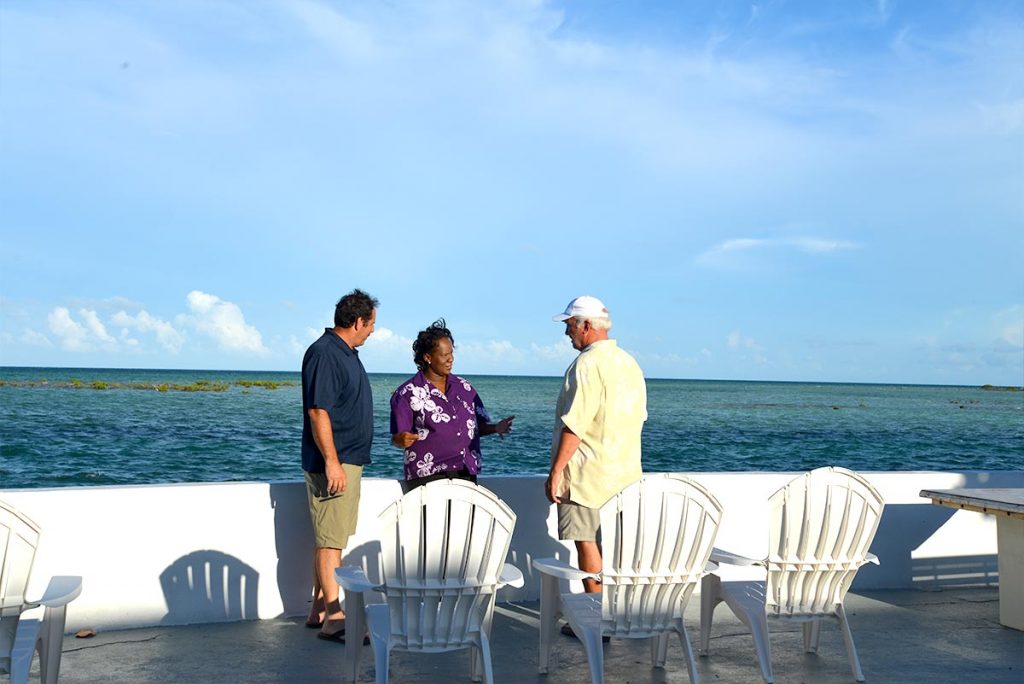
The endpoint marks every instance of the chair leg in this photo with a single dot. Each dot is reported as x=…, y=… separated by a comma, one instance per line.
x=550, y=605
x=475, y=653
x=759, y=630
x=591, y=640
x=51, y=642
x=812, y=634
x=381, y=655
x=476, y=668
x=355, y=628
x=851, y=650
x=659, y=650
x=709, y=585
x=484, y=657
x=26, y=641
x=691, y=662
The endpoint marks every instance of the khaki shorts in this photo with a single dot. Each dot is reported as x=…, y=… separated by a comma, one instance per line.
x=577, y=522
x=334, y=515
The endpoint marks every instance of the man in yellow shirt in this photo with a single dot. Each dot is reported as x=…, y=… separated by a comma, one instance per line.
x=595, y=449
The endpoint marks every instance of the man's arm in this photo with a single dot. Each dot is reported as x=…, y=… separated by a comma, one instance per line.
x=568, y=443
x=323, y=435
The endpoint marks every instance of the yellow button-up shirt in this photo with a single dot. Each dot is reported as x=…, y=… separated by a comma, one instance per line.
x=603, y=402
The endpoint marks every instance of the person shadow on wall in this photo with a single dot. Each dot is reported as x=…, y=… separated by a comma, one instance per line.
x=293, y=541
x=209, y=586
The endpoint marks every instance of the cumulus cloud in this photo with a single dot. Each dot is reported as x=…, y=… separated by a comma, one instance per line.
x=296, y=346
x=224, y=323
x=385, y=339
x=166, y=334
x=74, y=336
x=35, y=339
x=95, y=326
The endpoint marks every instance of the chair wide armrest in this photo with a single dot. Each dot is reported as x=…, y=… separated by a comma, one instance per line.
x=720, y=556
x=62, y=590
x=353, y=579
x=511, y=576
x=562, y=570
x=872, y=558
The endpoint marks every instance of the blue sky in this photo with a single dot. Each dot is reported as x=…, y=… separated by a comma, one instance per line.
x=776, y=190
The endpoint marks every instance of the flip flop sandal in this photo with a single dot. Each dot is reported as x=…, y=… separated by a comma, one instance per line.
x=339, y=637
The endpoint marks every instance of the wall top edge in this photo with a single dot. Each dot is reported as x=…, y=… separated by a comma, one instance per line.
x=484, y=478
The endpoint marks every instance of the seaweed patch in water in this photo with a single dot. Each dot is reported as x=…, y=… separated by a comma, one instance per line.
x=197, y=386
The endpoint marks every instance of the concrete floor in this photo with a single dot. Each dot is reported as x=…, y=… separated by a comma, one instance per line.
x=901, y=636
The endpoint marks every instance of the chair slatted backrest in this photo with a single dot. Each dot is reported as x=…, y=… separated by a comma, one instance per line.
x=821, y=527
x=19, y=537
x=657, y=537
x=443, y=548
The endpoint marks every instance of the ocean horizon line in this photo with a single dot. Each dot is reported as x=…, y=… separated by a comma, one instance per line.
x=516, y=375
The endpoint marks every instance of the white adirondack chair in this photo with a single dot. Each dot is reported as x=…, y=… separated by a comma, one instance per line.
x=443, y=555
x=657, y=536
x=23, y=634
x=820, y=527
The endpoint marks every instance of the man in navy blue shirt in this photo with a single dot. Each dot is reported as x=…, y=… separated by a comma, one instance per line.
x=337, y=432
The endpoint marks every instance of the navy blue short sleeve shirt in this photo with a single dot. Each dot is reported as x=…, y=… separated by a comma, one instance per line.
x=333, y=379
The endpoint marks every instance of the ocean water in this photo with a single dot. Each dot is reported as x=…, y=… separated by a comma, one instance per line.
x=70, y=427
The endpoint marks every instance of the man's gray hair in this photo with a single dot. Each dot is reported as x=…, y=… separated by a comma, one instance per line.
x=596, y=322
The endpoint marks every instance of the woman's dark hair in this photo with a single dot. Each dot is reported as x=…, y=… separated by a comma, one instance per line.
x=427, y=339
x=356, y=304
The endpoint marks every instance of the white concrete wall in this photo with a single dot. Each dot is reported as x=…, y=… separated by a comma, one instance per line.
x=188, y=553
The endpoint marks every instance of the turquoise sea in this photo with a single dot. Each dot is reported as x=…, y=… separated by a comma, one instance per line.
x=64, y=427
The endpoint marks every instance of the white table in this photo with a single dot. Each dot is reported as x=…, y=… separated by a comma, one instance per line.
x=1007, y=505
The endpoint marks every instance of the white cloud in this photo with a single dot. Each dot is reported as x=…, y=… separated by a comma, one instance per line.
x=556, y=351
x=35, y=339
x=339, y=33
x=224, y=323
x=389, y=347
x=384, y=337
x=71, y=334
x=1003, y=117
x=296, y=346
x=1010, y=325
x=489, y=351
x=820, y=246
x=736, y=340
x=128, y=341
x=169, y=337
x=75, y=336
x=718, y=254
x=95, y=327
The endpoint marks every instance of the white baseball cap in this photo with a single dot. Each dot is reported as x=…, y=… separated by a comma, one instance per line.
x=585, y=307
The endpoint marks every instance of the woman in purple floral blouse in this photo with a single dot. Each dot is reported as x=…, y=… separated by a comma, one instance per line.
x=437, y=417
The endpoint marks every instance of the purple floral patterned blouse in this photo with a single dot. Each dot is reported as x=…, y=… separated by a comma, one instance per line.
x=449, y=437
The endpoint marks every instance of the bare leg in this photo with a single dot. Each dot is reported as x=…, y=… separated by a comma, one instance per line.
x=590, y=561
x=316, y=608
x=326, y=560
